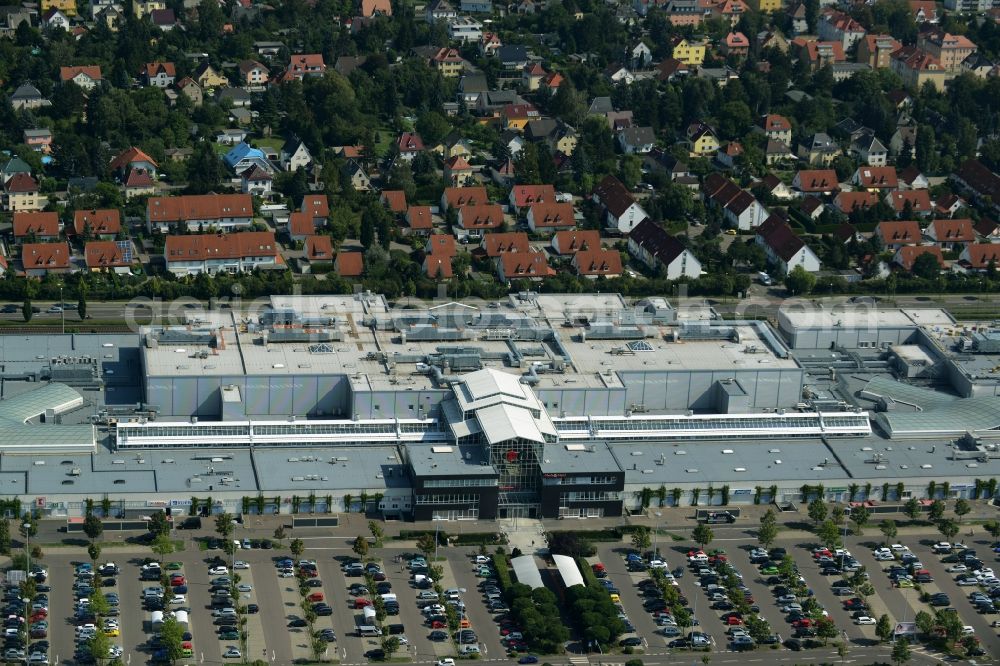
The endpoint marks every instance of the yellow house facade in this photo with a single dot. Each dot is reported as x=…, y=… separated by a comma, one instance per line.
x=766, y=5
x=143, y=8
x=690, y=52
x=209, y=78
x=703, y=144
x=67, y=7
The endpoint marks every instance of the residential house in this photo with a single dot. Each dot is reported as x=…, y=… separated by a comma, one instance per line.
x=349, y=264
x=916, y=67
x=550, y=83
x=876, y=50
x=979, y=64
x=638, y=56
x=924, y=11
x=635, y=140
x=66, y=7
x=950, y=50
x=419, y=220
x=190, y=89
x=438, y=266
x=231, y=137
x=904, y=139
x=164, y=19
x=513, y=58
x=253, y=74
x=159, y=74
x=206, y=77
x=740, y=209
x=776, y=128
x=294, y=155
x=475, y=219
x=947, y=205
x=356, y=176
x=39, y=140
x=471, y=87
x=316, y=250
x=783, y=247
x=621, y=211
x=894, y=235
x=133, y=159
x=684, y=12
x=869, y=150
x=21, y=192
x=735, y=44
x=907, y=203
x=443, y=245
x=701, y=140
x=730, y=11
x=222, y=253
x=317, y=206
x=773, y=186
x=243, y=156
x=53, y=19
x=772, y=39
x=659, y=251
x=99, y=224
x=457, y=171
x=489, y=43
x=907, y=255
x=138, y=183
x=517, y=116
x=41, y=259
x=728, y=154
x=223, y=212
x=980, y=256
x=456, y=197
x=839, y=27
x=370, y=8
x=28, y=97
x=300, y=226
x=811, y=207
x=476, y=6
x=256, y=180
x=689, y=51
x=109, y=255
x=302, y=65
x=498, y=244
x=465, y=29
x=875, y=178
x=35, y=226
x=597, y=262
x=532, y=76
x=141, y=8
x=408, y=145
x=911, y=178
x=849, y=202
x=560, y=137
x=951, y=234
x=819, y=150
x=439, y=10
x=816, y=181
x=975, y=178
x=819, y=54
x=777, y=152
x=86, y=77
x=619, y=73
x=529, y=265
x=797, y=12
x=344, y=65
x=671, y=69
x=454, y=145
x=575, y=240
x=550, y=217
x=449, y=62
x=988, y=230
x=394, y=200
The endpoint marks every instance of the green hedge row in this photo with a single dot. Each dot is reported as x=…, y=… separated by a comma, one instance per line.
x=478, y=539
x=502, y=565
x=612, y=534
x=589, y=578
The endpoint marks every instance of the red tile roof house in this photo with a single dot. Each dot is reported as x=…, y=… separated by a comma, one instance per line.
x=876, y=178
x=910, y=202
x=522, y=196
x=317, y=206
x=300, y=226
x=302, y=65
x=546, y=218
x=36, y=226
x=894, y=235
x=951, y=234
x=570, y=242
x=107, y=255
x=223, y=212
x=523, y=266
x=316, y=250
x=597, y=262
x=102, y=223
x=499, y=244
x=456, y=197
x=408, y=145
x=419, y=220
x=394, y=200
x=474, y=220
x=816, y=181
x=349, y=264
x=907, y=255
x=979, y=256
x=442, y=244
x=225, y=253
x=40, y=259
x=438, y=267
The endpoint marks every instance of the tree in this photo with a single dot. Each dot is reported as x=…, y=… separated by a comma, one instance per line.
x=702, y=535
x=377, y=533
x=100, y=646
x=390, y=644
x=837, y=515
x=860, y=515
x=826, y=629
x=992, y=528
x=925, y=622
x=279, y=534
x=297, y=547
x=936, y=510
x=426, y=545
x=641, y=539
x=158, y=524
x=4, y=536
x=947, y=527
x=817, y=510
x=912, y=508
x=884, y=628
x=799, y=281
x=901, y=651
x=171, y=638
x=81, y=307
x=926, y=266
x=768, y=530
x=888, y=529
x=94, y=551
x=360, y=546
x=26, y=311
x=962, y=508
x=92, y=527
x=829, y=533
x=224, y=526
x=162, y=545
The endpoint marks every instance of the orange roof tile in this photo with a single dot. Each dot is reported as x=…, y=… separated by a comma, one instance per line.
x=102, y=221
x=37, y=223
x=45, y=255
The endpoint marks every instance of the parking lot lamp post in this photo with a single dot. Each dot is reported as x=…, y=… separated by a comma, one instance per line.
x=437, y=528
x=62, y=309
x=656, y=529
x=27, y=631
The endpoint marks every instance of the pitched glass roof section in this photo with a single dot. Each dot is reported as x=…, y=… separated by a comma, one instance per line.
x=18, y=436
x=935, y=413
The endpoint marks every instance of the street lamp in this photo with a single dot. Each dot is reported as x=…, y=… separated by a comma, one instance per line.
x=656, y=552
x=27, y=631
x=437, y=528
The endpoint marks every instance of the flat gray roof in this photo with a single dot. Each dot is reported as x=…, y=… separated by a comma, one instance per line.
x=449, y=460
x=590, y=457
x=318, y=470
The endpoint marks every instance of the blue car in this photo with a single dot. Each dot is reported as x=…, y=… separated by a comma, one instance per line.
x=285, y=563
x=528, y=659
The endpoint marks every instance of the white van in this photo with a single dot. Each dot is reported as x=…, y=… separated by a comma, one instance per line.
x=389, y=596
x=368, y=630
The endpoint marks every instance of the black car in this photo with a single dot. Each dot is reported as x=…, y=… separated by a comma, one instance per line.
x=384, y=588
x=314, y=582
x=777, y=553
x=773, y=580
x=438, y=635
x=652, y=605
x=214, y=544
x=323, y=612
x=723, y=605
x=679, y=643
x=940, y=600
x=298, y=622
x=395, y=629
x=377, y=654
x=633, y=641
x=327, y=636
x=793, y=644
x=253, y=608
x=650, y=591
x=771, y=639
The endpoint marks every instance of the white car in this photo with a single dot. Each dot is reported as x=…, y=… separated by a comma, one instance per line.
x=286, y=573
x=240, y=564
x=150, y=565
x=967, y=581
x=178, y=600
x=403, y=640
x=660, y=564
x=447, y=661
x=865, y=620
x=218, y=571
x=482, y=559
x=898, y=548
x=791, y=608
x=231, y=653
x=433, y=609
x=982, y=573
x=967, y=630
x=244, y=587
x=957, y=568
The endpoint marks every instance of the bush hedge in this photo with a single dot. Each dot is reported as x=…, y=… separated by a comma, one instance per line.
x=502, y=566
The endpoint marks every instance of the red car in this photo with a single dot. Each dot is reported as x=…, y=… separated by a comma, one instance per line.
x=362, y=603
x=821, y=553
x=308, y=573
x=438, y=624
x=732, y=620
x=803, y=623
x=315, y=596
x=177, y=580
